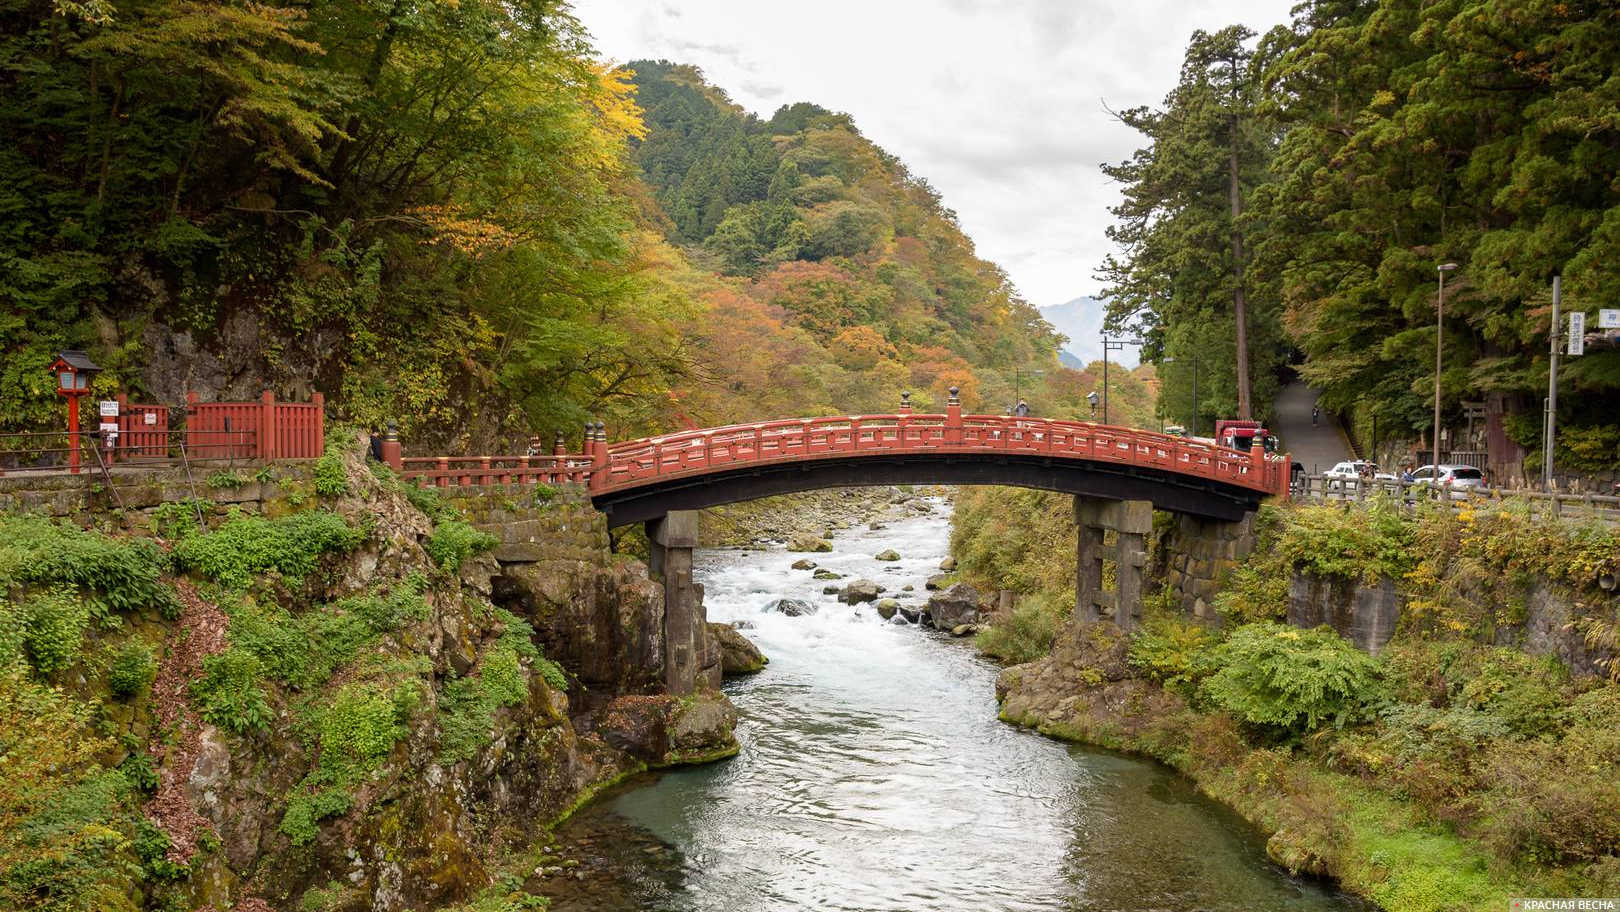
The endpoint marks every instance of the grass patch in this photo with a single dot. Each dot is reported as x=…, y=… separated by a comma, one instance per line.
x=453, y=541
x=248, y=546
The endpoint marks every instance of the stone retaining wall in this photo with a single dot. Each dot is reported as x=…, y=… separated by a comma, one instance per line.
x=142, y=491
x=1194, y=555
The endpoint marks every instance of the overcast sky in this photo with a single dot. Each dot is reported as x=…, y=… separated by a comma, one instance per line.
x=998, y=103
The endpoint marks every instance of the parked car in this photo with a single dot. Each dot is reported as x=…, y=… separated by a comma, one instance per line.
x=1461, y=480
x=1344, y=474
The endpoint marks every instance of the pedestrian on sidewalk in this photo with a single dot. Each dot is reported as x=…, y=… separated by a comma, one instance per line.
x=1316, y=414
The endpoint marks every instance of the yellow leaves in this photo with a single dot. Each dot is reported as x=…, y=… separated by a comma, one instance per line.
x=470, y=235
x=615, y=102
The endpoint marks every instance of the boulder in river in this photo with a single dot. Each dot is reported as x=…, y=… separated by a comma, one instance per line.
x=962, y=630
x=791, y=607
x=936, y=582
x=887, y=608
x=826, y=574
x=829, y=590
x=899, y=621
x=887, y=554
x=804, y=563
x=861, y=590
x=954, y=607
x=948, y=564
x=911, y=613
x=737, y=654
x=807, y=542
x=907, y=587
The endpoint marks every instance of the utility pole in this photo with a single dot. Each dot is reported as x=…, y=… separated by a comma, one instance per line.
x=1439, y=338
x=1549, y=420
x=1112, y=345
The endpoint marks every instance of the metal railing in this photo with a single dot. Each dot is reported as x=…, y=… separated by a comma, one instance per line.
x=50, y=452
x=1325, y=489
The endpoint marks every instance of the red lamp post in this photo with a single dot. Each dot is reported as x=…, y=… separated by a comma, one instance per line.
x=73, y=370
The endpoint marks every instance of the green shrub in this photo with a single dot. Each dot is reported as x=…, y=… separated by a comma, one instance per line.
x=112, y=576
x=1557, y=801
x=1287, y=681
x=306, y=808
x=425, y=499
x=330, y=478
x=1347, y=544
x=1026, y=633
x=304, y=650
x=1173, y=651
x=53, y=628
x=468, y=705
x=179, y=519
x=249, y=545
x=453, y=541
x=132, y=669
x=360, y=727
x=227, y=480
x=231, y=693
x=1253, y=593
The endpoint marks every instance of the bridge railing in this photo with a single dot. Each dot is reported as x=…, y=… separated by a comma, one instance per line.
x=703, y=451
x=470, y=471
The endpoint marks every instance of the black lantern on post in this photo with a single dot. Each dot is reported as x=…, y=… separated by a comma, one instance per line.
x=73, y=370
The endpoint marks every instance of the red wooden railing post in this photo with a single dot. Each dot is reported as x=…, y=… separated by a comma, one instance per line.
x=953, y=418
x=599, y=458
x=267, y=425
x=319, y=401
x=391, y=452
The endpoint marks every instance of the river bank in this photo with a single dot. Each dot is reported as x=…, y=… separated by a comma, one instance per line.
x=875, y=775
x=1465, y=764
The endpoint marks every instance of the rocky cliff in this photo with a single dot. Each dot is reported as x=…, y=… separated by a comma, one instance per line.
x=361, y=702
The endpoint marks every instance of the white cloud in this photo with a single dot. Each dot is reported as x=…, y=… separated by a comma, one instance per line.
x=998, y=103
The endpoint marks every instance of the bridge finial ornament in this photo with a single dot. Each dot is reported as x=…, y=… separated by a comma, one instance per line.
x=905, y=401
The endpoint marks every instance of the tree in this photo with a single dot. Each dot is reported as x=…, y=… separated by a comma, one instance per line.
x=1182, y=225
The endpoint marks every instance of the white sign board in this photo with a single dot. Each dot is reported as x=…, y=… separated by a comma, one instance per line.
x=1609, y=319
x=149, y=417
x=109, y=429
x=1577, y=333
x=109, y=408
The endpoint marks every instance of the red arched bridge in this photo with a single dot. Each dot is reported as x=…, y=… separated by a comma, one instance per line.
x=641, y=480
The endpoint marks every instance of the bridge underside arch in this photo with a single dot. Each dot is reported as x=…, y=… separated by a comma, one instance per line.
x=1167, y=490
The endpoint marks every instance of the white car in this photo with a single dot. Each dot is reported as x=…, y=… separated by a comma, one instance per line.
x=1460, y=480
x=1344, y=474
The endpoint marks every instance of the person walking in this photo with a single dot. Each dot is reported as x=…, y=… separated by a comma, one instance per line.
x=1316, y=414
x=1021, y=410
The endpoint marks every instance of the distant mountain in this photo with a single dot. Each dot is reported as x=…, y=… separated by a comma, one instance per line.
x=1081, y=321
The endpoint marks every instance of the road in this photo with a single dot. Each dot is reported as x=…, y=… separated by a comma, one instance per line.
x=1315, y=448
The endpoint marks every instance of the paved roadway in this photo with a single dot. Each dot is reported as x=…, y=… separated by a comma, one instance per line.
x=1315, y=448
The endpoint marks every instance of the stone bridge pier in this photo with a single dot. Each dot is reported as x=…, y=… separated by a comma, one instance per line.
x=1131, y=521
x=690, y=657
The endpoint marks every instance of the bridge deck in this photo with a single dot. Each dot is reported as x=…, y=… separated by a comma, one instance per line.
x=875, y=449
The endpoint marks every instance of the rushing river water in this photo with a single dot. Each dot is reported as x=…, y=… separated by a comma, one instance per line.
x=875, y=776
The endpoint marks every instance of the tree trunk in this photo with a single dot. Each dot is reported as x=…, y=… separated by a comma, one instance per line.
x=1239, y=306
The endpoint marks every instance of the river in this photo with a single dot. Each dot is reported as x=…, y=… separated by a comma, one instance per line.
x=875, y=776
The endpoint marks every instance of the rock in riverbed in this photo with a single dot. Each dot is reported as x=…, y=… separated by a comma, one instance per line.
x=948, y=564
x=886, y=608
x=826, y=575
x=806, y=542
x=887, y=554
x=791, y=607
x=954, y=607
x=804, y=563
x=861, y=590
x=737, y=654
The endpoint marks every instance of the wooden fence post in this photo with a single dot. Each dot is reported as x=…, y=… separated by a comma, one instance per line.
x=319, y=401
x=267, y=426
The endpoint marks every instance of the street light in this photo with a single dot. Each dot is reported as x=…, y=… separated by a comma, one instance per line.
x=1439, y=337
x=1111, y=345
